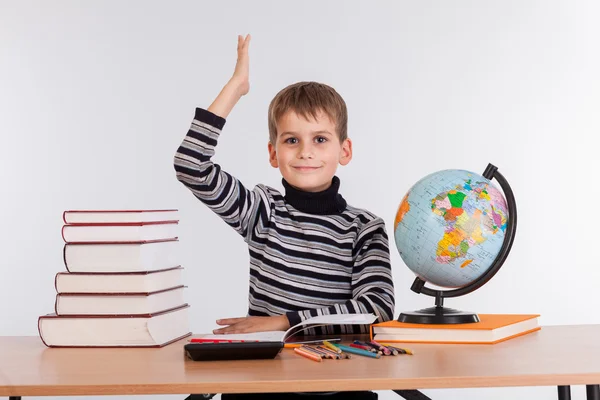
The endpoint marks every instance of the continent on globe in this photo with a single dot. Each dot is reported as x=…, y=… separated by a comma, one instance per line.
x=469, y=214
x=403, y=209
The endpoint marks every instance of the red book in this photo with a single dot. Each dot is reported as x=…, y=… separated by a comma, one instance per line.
x=151, y=330
x=119, y=216
x=119, y=303
x=126, y=232
x=117, y=257
x=118, y=282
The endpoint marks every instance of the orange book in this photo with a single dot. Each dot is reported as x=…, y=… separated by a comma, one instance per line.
x=491, y=329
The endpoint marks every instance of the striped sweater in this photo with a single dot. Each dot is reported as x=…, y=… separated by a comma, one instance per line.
x=302, y=263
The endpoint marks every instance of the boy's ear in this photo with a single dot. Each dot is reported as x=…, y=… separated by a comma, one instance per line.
x=346, y=155
x=272, y=156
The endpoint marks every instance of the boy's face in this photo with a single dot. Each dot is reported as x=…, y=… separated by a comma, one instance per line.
x=308, y=152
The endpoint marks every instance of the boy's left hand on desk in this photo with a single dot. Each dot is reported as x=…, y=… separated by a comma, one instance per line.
x=253, y=324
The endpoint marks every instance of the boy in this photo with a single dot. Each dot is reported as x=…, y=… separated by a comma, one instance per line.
x=310, y=252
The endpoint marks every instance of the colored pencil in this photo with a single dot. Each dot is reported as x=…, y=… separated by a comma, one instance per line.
x=366, y=348
x=400, y=349
x=384, y=349
x=308, y=355
x=331, y=346
x=316, y=351
x=329, y=351
x=359, y=352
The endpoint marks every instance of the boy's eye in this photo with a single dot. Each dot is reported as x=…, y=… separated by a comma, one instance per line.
x=321, y=139
x=291, y=140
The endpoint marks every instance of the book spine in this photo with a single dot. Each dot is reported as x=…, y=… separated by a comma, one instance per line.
x=65, y=257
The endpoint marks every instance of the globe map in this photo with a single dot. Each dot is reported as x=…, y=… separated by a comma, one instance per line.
x=450, y=227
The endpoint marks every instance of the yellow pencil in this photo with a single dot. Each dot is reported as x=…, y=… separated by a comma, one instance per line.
x=331, y=346
x=408, y=351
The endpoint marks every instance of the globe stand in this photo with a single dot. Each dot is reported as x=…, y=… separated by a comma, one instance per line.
x=443, y=315
x=438, y=314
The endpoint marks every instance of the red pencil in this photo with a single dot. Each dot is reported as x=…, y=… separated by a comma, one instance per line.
x=367, y=348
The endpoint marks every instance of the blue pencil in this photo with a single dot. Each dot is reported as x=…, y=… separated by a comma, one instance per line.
x=357, y=351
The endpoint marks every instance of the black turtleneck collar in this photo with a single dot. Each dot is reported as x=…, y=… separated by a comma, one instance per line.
x=328, y=201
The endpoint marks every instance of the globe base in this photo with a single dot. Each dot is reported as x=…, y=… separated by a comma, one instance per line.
x=438, y=315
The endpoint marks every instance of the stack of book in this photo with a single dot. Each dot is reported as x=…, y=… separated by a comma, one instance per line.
x=122, y=286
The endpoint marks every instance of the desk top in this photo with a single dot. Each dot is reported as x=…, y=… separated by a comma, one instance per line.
x=556, y=355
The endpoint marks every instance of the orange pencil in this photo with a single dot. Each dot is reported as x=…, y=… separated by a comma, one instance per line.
x=291, y=345
x=315, y=351
x=308, y=355
x=330, y=352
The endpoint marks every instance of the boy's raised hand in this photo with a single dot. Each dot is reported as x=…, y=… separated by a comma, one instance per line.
x=241, y=74
x=238, y=85
x=253, y=324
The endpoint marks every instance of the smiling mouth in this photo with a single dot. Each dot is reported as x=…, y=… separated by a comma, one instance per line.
x=306, y=168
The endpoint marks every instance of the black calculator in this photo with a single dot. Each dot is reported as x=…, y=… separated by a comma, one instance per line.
x=232, y=350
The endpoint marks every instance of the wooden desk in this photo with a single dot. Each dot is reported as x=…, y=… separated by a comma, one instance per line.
x=556, y=356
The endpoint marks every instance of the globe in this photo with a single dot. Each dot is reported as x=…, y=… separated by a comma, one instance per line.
x=454, y=229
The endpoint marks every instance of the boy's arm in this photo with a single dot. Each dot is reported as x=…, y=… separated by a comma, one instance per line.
x=238, y=85
x=219, y=190
x=372, y=283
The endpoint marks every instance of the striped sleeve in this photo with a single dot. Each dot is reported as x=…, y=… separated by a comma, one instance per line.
x=220, y=191
x=372, y=283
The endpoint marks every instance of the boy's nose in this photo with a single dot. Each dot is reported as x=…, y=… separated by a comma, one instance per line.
x=306, y=151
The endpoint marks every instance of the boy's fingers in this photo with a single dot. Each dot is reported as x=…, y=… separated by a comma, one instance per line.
x=230, y=321
x=221, y=331
x=227, y=332
x=244, y=41
x=235, y=328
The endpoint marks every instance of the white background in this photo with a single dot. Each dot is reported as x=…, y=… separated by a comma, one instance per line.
x=96, y=96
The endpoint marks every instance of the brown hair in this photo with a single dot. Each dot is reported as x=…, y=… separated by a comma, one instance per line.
x=308, y=98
